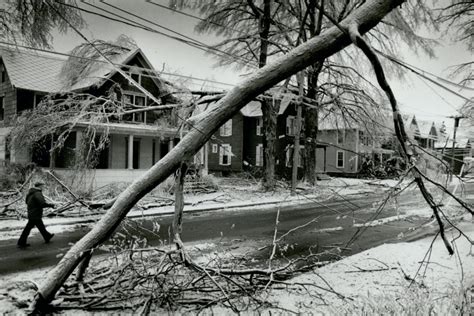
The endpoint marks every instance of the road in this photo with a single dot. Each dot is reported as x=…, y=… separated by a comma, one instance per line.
x=237, y=225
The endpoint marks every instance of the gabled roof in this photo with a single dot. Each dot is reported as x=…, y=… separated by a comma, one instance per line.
x=103, y=70
x=32, y=71
x=41, y=72
x=427, y=129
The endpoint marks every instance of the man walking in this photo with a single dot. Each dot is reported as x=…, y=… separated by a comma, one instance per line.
x=35, y=202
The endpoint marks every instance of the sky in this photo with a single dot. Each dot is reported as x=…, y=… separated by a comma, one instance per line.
x=416, y=96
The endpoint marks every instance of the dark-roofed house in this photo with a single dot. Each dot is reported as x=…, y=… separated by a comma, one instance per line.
x=136, y=141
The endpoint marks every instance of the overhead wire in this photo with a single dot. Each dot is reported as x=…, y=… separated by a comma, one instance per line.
x=393, y=59
x=199, y=44
x=209, y=22
x=385, y=55
x=403, y=64
x=193, y=43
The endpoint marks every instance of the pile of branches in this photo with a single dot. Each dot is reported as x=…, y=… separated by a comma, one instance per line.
x=147, y=280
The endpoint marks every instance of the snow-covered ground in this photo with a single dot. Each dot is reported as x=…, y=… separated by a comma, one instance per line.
x=373, y=282
x=376, y=281
x=379, y=280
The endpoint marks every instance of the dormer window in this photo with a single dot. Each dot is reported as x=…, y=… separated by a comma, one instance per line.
x=134, y=101
x=137, y=77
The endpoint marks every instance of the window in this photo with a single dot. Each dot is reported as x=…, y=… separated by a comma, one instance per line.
x=259, y=155
x=259, y=126
x=134, y=101
x=340, y=137
x=135, y=75
x=226, y=129
x=225, y=153
x=2, y=109
x=290, y=126
x=365, y=139
x=340, y=159
x=214, y=148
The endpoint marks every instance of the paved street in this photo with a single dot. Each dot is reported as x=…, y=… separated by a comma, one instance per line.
x=255, y=225
x=239, y=225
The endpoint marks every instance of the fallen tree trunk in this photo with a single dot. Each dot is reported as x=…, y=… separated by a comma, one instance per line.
x=320, y=47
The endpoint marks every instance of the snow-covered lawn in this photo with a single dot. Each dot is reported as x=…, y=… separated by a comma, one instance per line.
x=379, y=281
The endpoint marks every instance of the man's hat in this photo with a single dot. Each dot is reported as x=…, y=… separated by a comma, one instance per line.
x=39, y=183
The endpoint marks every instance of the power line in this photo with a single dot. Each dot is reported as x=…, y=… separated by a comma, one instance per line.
x=209, y=22
x=223, y=26
x=194, y=43
x=405, y=65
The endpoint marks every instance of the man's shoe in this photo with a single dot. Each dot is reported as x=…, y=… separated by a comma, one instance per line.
x=48, y=240
x=23, y=246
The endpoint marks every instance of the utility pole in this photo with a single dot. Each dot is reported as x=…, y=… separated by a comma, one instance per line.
x=456, y=118
x=296, y=144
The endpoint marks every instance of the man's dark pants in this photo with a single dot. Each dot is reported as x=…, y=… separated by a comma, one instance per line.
x=26, y=231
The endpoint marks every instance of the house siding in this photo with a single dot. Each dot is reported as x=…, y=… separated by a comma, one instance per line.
x=251, y=139
x=349, y=147
x=9, y=99
x=235, y=141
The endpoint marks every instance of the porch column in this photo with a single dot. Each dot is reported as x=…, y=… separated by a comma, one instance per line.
x=158, y=150
x=130, y=152
x=77, y=146
x=325, y=159
x=170, y=144
x=205, y=170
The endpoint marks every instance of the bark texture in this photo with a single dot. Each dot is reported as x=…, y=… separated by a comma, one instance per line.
x=329, y=42
x=312, y=114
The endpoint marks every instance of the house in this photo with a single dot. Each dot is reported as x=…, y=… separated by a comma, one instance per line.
x=428, y=134
x=237, y=144
x=455, y=156
x=341, y=145
x=136, y=141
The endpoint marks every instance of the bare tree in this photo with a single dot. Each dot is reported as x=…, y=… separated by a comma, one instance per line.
x=32, y=21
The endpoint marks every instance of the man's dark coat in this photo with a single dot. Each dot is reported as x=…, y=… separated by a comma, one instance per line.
x=35, y=202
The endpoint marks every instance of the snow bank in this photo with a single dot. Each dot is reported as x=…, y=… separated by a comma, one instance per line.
x=379, y=280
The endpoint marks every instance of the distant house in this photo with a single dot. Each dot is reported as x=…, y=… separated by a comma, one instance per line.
x=136, y=142
x=429, y=134
x=463, y=148
x=238, y=144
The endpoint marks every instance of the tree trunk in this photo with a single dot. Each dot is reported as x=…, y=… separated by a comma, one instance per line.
x=269, y=116
x=269, y=113
x=368, y=15
x=312, y=114
x=296, y=143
